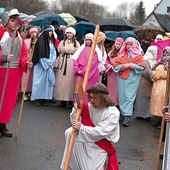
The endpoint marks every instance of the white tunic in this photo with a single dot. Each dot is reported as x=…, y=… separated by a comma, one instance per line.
x=86, y=154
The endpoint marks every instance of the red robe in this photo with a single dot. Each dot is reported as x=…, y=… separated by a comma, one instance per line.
x=13, y=82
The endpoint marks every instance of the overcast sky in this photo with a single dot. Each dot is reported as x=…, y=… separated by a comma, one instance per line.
x=112, y=4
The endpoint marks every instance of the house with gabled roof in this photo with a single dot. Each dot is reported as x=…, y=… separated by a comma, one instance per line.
x=160, y=16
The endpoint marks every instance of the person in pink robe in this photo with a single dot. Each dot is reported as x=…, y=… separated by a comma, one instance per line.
x=33, y=32
x=18, y=62
x=81, y=57
x=111, y=75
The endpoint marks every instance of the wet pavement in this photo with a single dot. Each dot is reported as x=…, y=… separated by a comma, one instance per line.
x=40, y=141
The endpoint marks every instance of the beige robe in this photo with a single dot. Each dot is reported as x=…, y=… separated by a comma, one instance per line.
x=65, y=84
x=158, y=93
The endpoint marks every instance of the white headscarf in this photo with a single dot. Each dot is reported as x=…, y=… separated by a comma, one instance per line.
x=75, y=56
x=151, y=55
x=70, y=29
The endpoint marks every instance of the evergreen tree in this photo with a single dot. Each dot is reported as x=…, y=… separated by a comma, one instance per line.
x=139, y=14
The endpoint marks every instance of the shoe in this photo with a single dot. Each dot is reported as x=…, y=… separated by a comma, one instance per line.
x=161, y=156
x=4, y=131
x=52, y=101
x=121, y=119
x=140, y=118
x=69, y=105
x=158, y=122
x=144, y=118
x=38, y=103
x=147, y=118
x=126, y=121
x=63, y=104
x=44, y=103
x=25, y=98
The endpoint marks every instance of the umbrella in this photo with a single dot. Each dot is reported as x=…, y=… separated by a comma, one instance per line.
x=68, y=18
x=42, y=12
x=148, y=31
x=47, y=18
x=115, y=24
x=84, y=27
x=124, y=34
x=80, y=18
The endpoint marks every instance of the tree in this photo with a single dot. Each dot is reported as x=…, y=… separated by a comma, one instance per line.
x=28, y=6
x=92, y=11
x=122, y=11
x=139, y=14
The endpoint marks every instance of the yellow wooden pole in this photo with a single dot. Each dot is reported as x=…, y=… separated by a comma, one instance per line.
x=79, y=110
x=32, y=46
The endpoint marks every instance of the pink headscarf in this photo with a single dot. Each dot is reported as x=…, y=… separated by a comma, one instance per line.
x=135, y=50
x=119, y=39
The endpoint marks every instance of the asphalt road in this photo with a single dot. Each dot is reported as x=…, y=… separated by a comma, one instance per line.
x=40, y=141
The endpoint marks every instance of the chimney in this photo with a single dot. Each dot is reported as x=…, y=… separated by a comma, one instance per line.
x=168, y=9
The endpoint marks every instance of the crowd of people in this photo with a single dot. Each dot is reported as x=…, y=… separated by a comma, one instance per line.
x=57, y=60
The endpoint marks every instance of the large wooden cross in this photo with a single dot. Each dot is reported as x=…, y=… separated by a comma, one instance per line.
x=80, y=91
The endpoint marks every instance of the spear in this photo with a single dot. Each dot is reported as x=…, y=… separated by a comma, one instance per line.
x=8, y=66
x=80, y=90
x=31, y=51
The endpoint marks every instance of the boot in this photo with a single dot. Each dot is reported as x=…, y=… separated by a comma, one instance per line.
x=126, y=121
x=121, y=119
x=69, y=105
x=4, y=131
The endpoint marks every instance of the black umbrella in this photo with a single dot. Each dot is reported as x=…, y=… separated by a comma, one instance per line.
x=115, y=24
x=84, y=27
x=80, y=18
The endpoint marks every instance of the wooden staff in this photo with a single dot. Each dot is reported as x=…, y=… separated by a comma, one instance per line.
x=31, y=51
x=8, y=66
x=166, y=155
x=80, y=89
x=163, y=120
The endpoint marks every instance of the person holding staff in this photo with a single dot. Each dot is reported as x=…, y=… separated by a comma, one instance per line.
x=14, y=62
x=98, y=130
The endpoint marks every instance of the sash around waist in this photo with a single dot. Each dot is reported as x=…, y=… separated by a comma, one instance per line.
x=11, y=65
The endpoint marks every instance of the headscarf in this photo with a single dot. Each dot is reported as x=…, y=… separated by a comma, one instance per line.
x=151, y=55
x=89, y=36
x=42, y=49
x=159, y=36
x=101, y=36
x=70, y=29
x=33, y=29
x=119, y=39
x=75, y=56
x=134, y=51
x=167, y=48
x=54, y=33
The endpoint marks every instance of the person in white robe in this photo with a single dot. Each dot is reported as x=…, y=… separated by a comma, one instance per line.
x=99, y=122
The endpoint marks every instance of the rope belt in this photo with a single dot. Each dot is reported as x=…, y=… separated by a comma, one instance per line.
x=65, y=57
